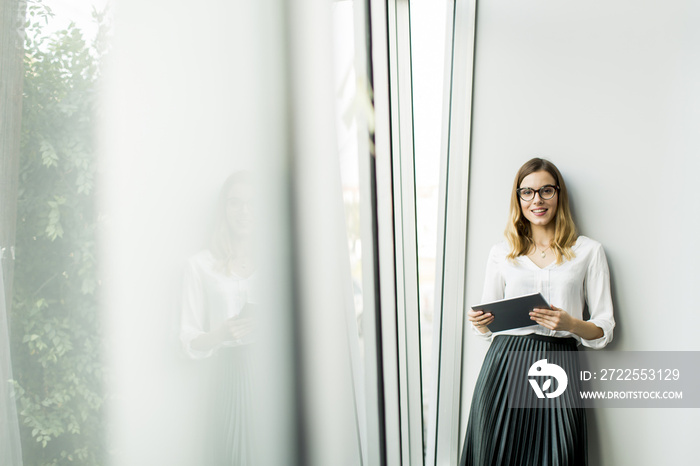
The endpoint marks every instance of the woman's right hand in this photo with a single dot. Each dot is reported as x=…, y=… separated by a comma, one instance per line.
x=480, y=320
x=235, y=328
x=231, y=330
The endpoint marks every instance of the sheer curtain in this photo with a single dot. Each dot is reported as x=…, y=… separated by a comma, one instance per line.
x=10, y=448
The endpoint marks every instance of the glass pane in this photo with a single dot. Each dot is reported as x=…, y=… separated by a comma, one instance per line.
x=345, y=76
x=180, y=111
x=56, y=337
x=428, y=32
x=346, y=127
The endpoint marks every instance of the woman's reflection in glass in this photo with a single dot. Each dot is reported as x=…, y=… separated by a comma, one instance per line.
x=218, y=320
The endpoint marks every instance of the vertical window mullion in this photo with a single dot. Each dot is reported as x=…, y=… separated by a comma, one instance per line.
x=454, y=187
x=388, y=359
x=405, y=237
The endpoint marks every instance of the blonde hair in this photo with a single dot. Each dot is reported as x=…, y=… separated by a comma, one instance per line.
x=223, y=246
x=518, y=231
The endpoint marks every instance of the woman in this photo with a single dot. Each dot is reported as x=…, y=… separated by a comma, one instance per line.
x=542, y=253
x=217, y=322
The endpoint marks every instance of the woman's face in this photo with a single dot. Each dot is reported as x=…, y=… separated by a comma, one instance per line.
x=239, y=210
x=539, y=211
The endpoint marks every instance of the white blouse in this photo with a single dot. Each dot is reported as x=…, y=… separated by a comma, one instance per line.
x=209, y=298
x=571, y=285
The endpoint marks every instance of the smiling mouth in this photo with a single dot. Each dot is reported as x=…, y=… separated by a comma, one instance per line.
x=538, y=211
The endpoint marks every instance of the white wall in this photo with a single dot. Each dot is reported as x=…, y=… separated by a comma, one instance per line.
x=609, y=91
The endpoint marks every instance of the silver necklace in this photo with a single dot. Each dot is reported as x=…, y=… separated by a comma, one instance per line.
x=543, y=252
x=244, y=264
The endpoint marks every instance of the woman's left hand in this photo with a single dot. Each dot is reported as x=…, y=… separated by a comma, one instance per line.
x=553, y=319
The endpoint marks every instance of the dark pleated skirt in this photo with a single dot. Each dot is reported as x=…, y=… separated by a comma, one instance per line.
x=499, y=434
x=230, y=408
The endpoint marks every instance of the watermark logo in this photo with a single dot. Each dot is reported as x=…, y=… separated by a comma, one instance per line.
x=543, y=369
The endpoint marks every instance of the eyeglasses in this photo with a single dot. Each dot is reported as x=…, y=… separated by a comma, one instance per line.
x=238, y=204
x=546, y=192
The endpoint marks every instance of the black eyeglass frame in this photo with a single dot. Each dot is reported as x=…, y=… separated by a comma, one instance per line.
x=538, y=191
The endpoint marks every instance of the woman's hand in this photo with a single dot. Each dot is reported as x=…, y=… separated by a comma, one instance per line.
x=553, y=319
x=559, y=319
x=480, y=320
x=235, y=328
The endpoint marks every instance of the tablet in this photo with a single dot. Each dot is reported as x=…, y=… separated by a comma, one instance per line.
x=513, y=312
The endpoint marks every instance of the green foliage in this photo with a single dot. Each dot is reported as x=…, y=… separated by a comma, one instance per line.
x=56, y=335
